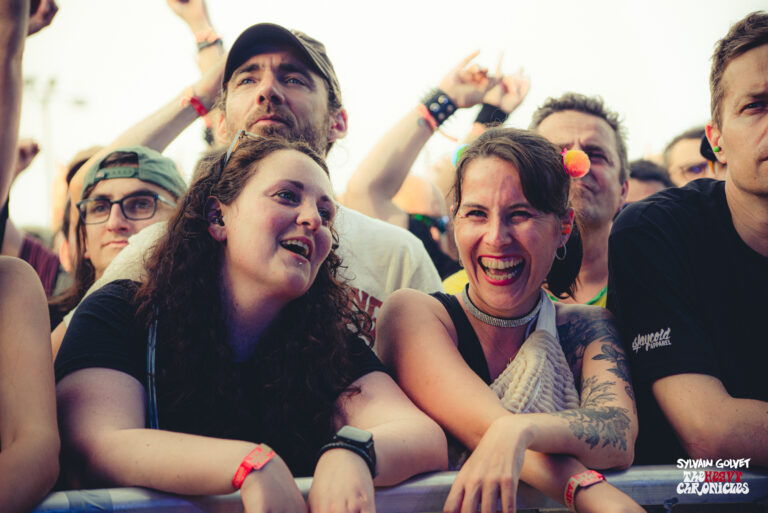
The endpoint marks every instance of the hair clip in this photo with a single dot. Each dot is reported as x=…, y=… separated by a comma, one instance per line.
x=576, y=163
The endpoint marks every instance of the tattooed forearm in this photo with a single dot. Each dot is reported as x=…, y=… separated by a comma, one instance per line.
x=611, y=354
x=580, y=329
x=594, y=394
x=599, y=426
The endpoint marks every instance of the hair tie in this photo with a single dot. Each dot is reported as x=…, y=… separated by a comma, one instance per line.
x=576, y=163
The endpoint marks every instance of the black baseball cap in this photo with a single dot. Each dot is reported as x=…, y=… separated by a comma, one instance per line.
x=251, y=42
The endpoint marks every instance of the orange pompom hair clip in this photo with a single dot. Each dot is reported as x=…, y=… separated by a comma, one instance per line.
x=576, y=163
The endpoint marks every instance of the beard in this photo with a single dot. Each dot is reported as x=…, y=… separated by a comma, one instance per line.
x=291, y=128
x=312, y=138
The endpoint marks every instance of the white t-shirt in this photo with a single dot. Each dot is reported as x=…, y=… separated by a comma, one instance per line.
x=379, y=259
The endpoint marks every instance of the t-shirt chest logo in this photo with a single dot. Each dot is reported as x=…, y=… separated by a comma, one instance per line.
x=652, y=340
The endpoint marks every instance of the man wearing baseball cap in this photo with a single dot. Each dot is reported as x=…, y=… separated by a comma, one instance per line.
x=281, y=81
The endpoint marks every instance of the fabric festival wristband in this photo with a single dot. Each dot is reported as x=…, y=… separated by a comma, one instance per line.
x=422, y=110
x=439, y=105
x=580, y=480
x=491, y=115
x=255, y=460
x=349, y=447
x=190, y=98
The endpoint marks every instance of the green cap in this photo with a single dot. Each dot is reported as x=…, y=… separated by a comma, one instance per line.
x=153, y=168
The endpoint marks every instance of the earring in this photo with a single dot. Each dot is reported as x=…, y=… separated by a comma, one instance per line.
x=716, y=149
x=218, y=220
x=565, y=252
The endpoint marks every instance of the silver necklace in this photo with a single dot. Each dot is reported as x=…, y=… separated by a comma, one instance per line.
x=499, y=322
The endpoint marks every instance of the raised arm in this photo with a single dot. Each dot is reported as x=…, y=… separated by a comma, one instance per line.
x=160, y=128
x=498, y=103
x=417, y=340
x=381, y=174
x=14, y=19
x=29, y=435
x=195, y=14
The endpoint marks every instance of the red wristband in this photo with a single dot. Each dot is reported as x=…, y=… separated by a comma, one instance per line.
x=580, y=480
x=255, y=460
x=190, y=98
x=423, y=111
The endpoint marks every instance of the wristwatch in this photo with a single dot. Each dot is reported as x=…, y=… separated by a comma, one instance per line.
x=580, y=480
x=356, y=440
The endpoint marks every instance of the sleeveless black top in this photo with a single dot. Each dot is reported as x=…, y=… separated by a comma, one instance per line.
x=468, y=343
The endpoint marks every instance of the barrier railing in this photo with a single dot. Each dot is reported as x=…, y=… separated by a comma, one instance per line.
x=648, y=485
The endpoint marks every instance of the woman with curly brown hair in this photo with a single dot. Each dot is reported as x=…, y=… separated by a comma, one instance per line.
x=240, y=337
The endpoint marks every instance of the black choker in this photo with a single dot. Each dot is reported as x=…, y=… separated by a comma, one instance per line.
x=499, y=322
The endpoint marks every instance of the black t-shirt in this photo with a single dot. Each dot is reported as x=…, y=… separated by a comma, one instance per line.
x=104, y=333
x=689, y=296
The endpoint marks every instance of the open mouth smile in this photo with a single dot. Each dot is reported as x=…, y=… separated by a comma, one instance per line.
x=501, y=269
x=301, y=247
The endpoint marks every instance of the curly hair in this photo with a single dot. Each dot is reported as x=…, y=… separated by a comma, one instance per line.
x=545, y=185
x=302, y=362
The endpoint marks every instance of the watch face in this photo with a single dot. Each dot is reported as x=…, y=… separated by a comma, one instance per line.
x=355, y=435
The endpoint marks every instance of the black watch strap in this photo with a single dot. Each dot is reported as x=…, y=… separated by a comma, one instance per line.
x=350, y=447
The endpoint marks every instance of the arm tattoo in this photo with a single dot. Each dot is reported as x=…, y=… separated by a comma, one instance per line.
x=613, y=355
x=579, y=330
x=594, y=394
x=601, y=425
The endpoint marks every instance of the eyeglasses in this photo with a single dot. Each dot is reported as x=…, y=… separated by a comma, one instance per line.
x=136, y=207
x=441, y=223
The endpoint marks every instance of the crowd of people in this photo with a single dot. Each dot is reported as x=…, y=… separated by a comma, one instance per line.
x=515, y=316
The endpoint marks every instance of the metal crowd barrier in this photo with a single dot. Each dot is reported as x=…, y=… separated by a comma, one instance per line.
x=648, y=485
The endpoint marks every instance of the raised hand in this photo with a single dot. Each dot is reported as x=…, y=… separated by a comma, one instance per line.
x=510, y=92
x=466, y=84
x=193, y=12
x=28, y=150
x=43, y=16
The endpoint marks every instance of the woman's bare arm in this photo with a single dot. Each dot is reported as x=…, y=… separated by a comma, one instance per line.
x=29, y=460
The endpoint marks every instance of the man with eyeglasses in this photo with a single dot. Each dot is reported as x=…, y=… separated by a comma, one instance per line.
x=683, y=158
x=124, y=192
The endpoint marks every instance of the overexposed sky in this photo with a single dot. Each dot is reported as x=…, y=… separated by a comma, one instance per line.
x=114, y=63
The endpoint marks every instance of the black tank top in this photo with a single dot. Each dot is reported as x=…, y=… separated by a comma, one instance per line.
x=468, y=343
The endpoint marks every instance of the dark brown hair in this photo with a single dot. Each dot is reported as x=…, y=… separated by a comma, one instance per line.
x=545, y=185
x=745, y=35
x=302, y=361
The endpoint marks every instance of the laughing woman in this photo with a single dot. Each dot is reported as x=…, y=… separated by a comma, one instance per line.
x=239, y=344
x=534, y=390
